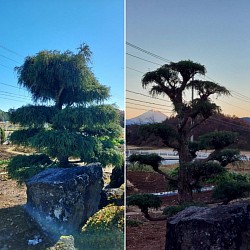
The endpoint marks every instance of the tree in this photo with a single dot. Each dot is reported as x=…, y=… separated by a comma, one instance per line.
x=2, y=136
x=78, y=124
x=174, y=80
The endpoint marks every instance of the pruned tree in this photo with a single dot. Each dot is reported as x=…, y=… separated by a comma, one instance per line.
x=174, y=80
x=76, y=123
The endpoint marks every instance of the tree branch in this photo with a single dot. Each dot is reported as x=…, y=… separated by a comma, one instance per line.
x=150, y=218
x=168, y=177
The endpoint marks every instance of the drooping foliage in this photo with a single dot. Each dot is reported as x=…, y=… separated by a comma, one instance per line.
x=64, y=78
x=78, y=124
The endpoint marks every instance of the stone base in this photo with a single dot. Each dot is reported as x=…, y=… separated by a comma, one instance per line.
x=218, y=228
x=62, y=199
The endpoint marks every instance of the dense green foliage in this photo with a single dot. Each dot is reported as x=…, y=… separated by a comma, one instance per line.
x=230, y=190
x=23, y=167
x=144, y=201
x=173, y=210
x=2, y=136
x=152, y=160
x=4, y=116
x=78, y=125
x=104, y=230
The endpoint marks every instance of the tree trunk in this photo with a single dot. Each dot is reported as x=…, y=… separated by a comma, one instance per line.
x=63, y=161
x=184, y=180
x=185, y=193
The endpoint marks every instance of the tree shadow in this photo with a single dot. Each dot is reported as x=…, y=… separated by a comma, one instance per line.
x=17, y=228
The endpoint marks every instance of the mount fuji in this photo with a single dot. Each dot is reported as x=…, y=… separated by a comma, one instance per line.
x=151, y=116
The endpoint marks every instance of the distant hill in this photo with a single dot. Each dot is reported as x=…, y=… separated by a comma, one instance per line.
x=246, y=119
x=151, y=116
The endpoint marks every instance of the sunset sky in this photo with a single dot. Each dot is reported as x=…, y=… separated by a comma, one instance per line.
x=28, y=27
x=213, y=33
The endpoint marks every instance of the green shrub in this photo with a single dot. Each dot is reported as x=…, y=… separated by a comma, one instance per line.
x=229, y=176
x=23, y=167
x=133, y=223
x=144, y=201
x=173, y=210
x=230, y=190
x=2, y=136
x=104, y=230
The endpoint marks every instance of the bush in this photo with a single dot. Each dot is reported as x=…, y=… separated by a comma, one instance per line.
x=2, y=136
x=230, y=190
x=144, y=201
x=133, y=223
x=173, y=210
x=104, y=230
x=23, y=167
x=229, y=176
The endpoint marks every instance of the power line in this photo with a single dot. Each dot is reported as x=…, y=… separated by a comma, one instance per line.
x=16, y=96
x=136, y=108
x=146, y=106
x=11, y=51
x=9, y=58
x=9, y=85
x=143, y=59
x=135, y=70
x=234, y=105
x=231, y=124
x=164, y=59
x=6, y=67
x=17, y=100
x=147, y=52
x=146, y=102
x=146, y=95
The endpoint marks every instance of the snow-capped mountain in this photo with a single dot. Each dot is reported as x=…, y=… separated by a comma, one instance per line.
x=151, y=116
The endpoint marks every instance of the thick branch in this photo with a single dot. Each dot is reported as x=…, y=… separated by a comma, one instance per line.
x=168, y=177
x=149, y=217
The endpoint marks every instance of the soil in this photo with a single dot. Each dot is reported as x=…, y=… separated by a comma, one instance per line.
x=16, y=227
x=151, y=235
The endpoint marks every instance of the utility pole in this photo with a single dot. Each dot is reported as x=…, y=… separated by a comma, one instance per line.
x=192, y=121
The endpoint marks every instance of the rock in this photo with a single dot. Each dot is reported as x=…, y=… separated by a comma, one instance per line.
x=217, y=228
x=62, y=199
x=117, y=177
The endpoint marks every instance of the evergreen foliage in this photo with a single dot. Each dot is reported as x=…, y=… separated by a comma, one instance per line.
x=174, y=80
x=230, y=190
x=2, y=136
x=23, y=167
x=78, y=124
x=144, y=201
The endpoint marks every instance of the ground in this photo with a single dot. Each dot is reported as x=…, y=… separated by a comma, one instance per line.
x=16, y=227
x=151, y=235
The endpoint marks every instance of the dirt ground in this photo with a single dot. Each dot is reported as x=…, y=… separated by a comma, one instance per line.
x=16, y=227
x=151, y=235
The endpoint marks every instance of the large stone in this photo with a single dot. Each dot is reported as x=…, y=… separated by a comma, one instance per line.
x=217, y=228
x=62, y=199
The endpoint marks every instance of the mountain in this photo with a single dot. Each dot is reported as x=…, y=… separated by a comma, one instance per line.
x=151, y=116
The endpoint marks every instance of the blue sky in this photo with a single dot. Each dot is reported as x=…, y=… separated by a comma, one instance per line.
x=28, y=27
x=213, y=33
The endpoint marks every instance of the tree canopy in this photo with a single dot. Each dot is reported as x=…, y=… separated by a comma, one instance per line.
x=79, y=124
x=62, y=77
x=175, y=80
